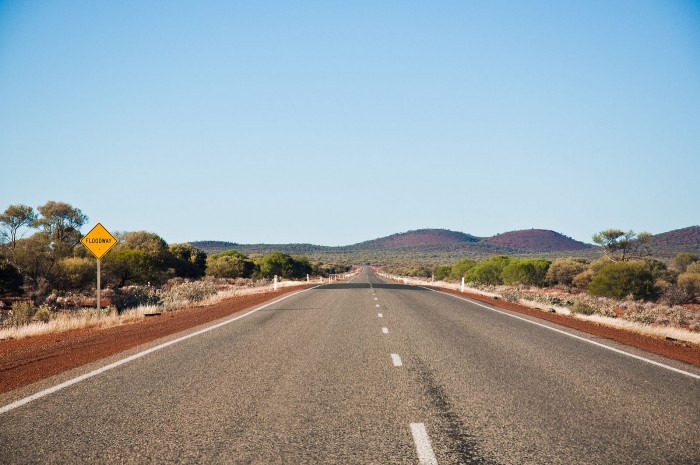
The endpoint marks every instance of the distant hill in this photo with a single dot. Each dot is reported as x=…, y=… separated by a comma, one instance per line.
x=417, y=238
x=536, y=240
x=668, y=244
x=442, y=246
x=423, y=246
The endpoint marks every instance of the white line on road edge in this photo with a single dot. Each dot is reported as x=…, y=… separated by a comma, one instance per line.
x=426, y=456
x=595, y=343
x=385, y=330
x=380, y=315
x=70, y=382
x=396, y=360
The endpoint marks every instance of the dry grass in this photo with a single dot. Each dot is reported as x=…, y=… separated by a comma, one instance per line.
x=87, y=318
x=653, y=330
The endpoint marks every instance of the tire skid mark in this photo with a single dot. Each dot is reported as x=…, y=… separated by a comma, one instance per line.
x=462, y=444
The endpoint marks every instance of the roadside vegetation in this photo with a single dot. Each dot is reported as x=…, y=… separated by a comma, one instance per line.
x=47, y=277
x=625, y=284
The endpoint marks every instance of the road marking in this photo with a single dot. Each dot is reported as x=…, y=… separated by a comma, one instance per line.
x=385, y=330
x=396, y=360
x=426, y=456
x=580, y=338
x=78, y=379
x=376, y=298
x=379, y=315
x=378, y=305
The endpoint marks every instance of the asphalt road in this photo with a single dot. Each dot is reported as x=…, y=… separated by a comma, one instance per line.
x=369, y=372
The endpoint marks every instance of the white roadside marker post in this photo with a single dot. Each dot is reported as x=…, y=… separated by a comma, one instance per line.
x=275, y=283
x=462, y=288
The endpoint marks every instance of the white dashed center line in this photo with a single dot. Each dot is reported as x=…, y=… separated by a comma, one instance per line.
x=378, y=305
x=396, y=360
x=385, y=330
x=380, y=315
x=426, y=456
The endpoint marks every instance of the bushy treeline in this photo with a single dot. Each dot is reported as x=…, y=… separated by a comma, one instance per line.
x=41, y=253
x=233, y=264
x=639, y=278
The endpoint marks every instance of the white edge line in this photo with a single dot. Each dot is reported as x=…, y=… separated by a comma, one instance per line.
x=83, y=377
x=581, y=338
x=426, y=456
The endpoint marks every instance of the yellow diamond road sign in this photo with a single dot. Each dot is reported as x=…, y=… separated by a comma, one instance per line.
x=98, y=241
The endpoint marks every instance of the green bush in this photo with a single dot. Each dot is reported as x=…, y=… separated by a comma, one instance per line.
x=442, y=272
x=564, y=270
x=230, y=264
x=488, y=271
x=619, y=280
x=22, y=313
x=461, y=268
x=527, y=271
x=43, y=313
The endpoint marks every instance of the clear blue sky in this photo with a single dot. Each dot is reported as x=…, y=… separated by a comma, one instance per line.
x=338, y=122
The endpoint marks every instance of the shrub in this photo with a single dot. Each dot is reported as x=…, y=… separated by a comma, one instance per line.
x=488, y=271
x=682, y=260
x=621, y=279
x=22, y=313
x=510, y=295
x=78, y=273
x=461, y=268
x=582, y=307
x=43, y=313
x=564, y=270
x=442, y=272
x=528, y=271
x=135, y=296
x=641, y=314
x=230, y=264
x=689, y=283
x=194, y=291
x=10, y=279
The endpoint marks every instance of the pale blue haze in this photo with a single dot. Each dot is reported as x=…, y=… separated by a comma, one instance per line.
x=337, y=122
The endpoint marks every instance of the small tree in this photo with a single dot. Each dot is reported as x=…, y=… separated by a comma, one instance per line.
x=13, y=219
x=62, y=223
x=620, y=246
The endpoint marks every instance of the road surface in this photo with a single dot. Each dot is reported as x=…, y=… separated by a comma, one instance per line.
x=367, y=372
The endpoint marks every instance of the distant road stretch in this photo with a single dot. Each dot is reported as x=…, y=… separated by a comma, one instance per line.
x=368, y=372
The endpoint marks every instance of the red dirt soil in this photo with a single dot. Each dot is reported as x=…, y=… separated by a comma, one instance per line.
x=684, y=352
x=24, y=361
